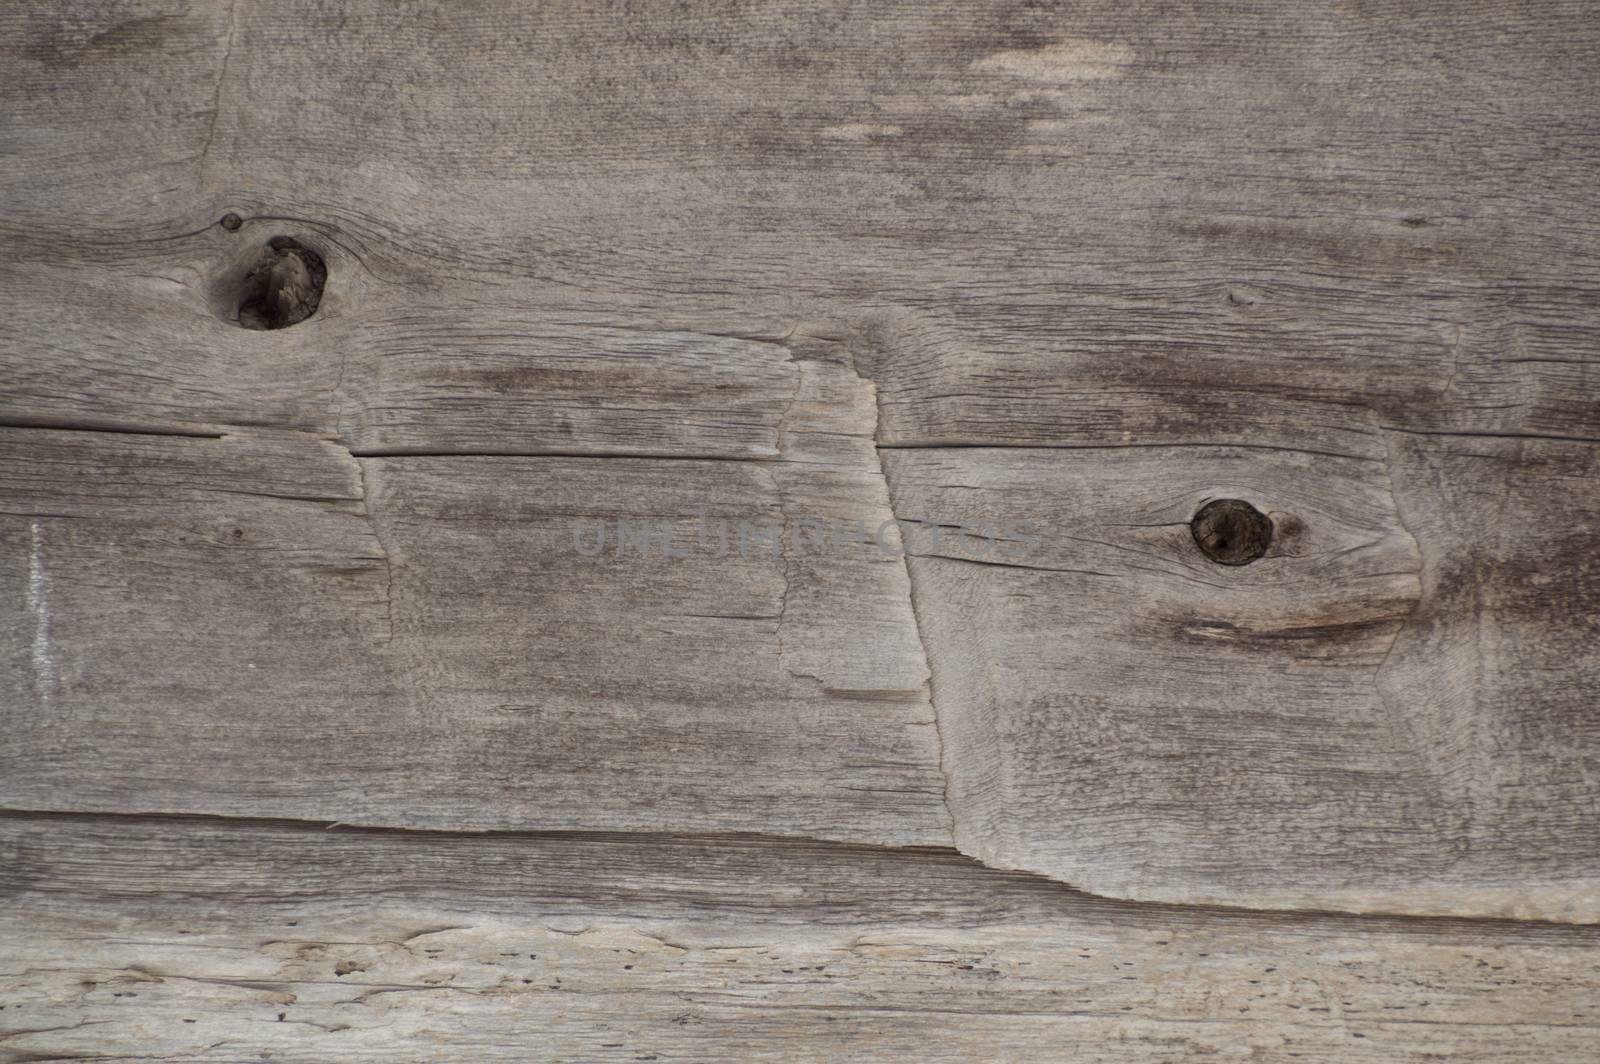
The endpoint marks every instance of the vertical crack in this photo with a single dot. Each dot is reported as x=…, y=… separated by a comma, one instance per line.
x=1416, y=545
x=369, y=512
x=1456, y=814
x=911, y=585
x=782, y=442
x=216, y=96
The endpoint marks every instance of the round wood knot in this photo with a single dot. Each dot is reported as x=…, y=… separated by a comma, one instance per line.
x=1231, y=531
x=284, y=286
x=231, y=222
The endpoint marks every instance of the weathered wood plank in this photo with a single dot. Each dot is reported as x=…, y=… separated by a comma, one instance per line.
x=1193, y=239
x=261, y=625
x=198, y=940
x=609, y=231
x=1125, y=714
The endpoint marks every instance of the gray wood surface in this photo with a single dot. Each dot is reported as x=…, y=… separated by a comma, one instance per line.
x=420, y=642
x=1355, y=721
x=181, y=939
x=1057, y=273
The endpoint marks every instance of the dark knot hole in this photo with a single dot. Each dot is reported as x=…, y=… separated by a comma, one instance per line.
x=283, y=287
x=1231, y=531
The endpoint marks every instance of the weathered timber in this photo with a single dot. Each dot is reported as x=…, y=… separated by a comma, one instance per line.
x=264, y=624
x=1063, y=275
x=195, y=939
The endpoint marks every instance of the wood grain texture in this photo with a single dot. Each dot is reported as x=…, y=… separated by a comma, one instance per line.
x=180, y=939
x=261, y=625
x=1126, y=715
x=1110, y=227
x=1082, y=266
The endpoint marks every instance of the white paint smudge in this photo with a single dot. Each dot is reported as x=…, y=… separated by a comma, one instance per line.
x=1075, y=59
x=44, y=665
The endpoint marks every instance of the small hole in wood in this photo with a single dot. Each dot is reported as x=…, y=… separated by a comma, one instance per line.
x=283, y=287
x=1231, y=531
x=231, y=222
